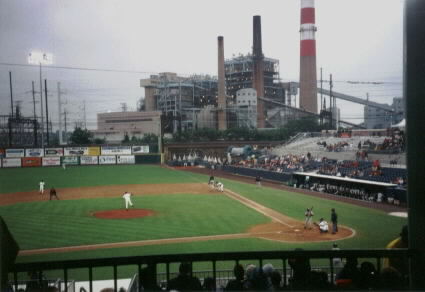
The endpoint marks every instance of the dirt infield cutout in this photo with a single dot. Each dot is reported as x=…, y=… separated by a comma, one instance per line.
x=123, y=213
x=282, y=228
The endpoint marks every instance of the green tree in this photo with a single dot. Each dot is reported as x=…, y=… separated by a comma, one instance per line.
x=81, y=136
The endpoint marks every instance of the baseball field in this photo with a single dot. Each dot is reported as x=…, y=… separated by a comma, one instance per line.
x=174, y=212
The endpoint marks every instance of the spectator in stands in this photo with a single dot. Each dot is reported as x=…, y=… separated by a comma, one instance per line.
x=390, y=279
x=268, y=269
x=184, y=281
x=209, y=284
x=259, y=280
x=238, y=283
x=249, y=275
x=276, y=279
x=148, y=279
x=348, y=277
x=368, y=276
x=319, y=281
x=400, y=264
x=337, y=262
x=300, y=272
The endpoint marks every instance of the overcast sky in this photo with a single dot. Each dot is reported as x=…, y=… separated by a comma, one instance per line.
x=356, y=40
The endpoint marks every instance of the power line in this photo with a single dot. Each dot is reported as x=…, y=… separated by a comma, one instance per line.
x=79, y=68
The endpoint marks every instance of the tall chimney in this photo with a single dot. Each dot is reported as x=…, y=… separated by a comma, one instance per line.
x=222, y=124
x=308, y=78
x=258, y=70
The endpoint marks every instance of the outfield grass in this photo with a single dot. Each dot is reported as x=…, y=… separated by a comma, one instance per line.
x=65, y=223
x=27, y=179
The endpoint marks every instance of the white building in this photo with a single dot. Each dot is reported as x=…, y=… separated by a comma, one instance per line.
x=246, y=104
x=114, y=126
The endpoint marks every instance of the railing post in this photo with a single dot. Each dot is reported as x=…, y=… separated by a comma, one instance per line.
x=167, y=271
x=331, y=262
x=285, y=276
x=15, y=280
x=90, y=279
x=65, y=279
x=139, y=280
x=115, y=278
x=214, y=271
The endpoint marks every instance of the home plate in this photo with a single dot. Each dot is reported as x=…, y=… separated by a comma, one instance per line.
x=296, y=230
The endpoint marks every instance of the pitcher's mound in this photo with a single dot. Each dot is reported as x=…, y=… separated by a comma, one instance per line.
x=123, y=213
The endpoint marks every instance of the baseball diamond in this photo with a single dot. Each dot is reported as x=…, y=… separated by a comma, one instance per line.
x=185, y=210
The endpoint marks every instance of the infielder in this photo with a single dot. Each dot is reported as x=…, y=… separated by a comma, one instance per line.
x=41, y=184
x=219, y=186
x=127, y=199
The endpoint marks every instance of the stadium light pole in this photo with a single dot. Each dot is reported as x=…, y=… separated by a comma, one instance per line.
x=39, y=58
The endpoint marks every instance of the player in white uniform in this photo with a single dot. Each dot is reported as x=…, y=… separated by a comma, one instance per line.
x=219, y=186
x=41, y=184
x=127, y=199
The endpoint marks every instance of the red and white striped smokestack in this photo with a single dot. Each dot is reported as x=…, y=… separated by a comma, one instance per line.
x=221, y=114
x=308, y=77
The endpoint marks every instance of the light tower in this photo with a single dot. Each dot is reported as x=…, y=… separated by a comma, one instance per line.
x=308, y=78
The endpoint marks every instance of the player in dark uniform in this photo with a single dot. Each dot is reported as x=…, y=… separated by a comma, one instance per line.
x=53, y=194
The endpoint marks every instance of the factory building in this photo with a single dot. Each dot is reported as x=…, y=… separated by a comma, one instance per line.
x=113, y=127
x=377, y=118
x=239, y=75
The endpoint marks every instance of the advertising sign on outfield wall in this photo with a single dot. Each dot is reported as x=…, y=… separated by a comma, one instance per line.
x=2, y=153
x=53, y=151
x=109, y=159
x=11, y=153
x=126, y=159
x=94, y=151
x=140, y=149
x=51, y=161
x=88, y=160
x=34, y=152
x=11, y=162
x=116, y=150
x=70, y=160
x=31, y=161
x=76, y=151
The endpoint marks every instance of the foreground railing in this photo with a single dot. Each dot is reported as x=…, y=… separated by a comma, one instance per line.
x=213, y=258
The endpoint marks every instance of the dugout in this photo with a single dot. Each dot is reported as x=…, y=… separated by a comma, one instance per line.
x=388, y=189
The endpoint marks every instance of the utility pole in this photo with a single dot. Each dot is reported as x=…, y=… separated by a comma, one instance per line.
x=331, y=100
x=66, y=132
x=367, y=110
x=47, y=110
x=60, y=114
x=321, y=88
x=11, y=92
x=84, y=114
x=35, y=116
x=33, y=100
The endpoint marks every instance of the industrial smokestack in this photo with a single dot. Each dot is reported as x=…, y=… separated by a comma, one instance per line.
x=308, y=78
x=258, y=70
x=222, y=124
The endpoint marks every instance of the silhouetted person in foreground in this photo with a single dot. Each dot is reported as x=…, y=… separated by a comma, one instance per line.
x=238, y=283
x=184, y=281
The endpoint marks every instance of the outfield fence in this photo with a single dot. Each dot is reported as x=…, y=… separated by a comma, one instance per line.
x=86, y=155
